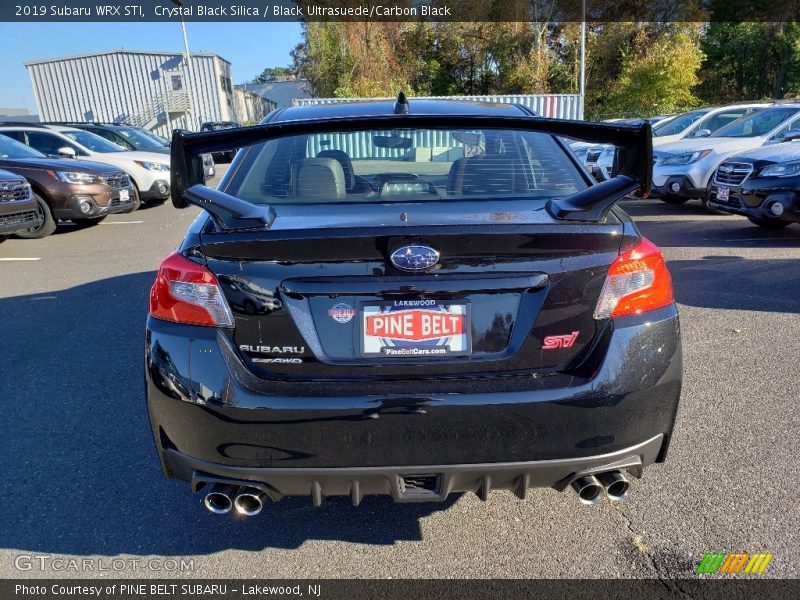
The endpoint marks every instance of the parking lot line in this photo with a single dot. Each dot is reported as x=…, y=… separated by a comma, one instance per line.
x=120, y=222
x=21, y=258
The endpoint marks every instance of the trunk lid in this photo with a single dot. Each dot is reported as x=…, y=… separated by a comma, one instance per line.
x=317, y=297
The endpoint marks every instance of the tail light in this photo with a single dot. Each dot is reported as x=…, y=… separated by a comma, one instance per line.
x=185, y=292
x=637, y=281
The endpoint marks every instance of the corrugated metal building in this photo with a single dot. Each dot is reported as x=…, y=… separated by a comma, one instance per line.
x=154, y=90
x=554, y=106
x=359, y=144
x=282, y=93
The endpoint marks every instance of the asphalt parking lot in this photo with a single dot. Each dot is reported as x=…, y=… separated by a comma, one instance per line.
x=81, y=477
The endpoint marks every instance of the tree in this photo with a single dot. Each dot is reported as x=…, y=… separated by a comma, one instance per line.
x=750, y=61
x=642, y=69
x=659, y=79
x=273, y=74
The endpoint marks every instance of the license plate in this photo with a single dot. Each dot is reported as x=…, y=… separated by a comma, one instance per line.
x=415, y=329
x=723, y=194
x=124, y=196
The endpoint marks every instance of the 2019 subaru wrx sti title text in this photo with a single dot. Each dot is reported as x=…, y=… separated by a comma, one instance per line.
x=411, y=299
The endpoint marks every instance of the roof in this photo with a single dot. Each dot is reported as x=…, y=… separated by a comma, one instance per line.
x=280, y=92
x=122, y=51
x=386, y=108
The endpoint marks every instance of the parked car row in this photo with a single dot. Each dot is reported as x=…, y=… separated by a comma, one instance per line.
x=82, y=172
x=736, y=159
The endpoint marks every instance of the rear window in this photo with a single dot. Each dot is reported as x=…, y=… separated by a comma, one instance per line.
x=406, y=165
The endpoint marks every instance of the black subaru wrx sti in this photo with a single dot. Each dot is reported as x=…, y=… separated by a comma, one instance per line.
x=410, y=298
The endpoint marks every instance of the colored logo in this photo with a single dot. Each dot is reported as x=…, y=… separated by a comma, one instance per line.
x=554, y=342
x=414, y=258
x=734, y=563
x=341, y=313
x=415, y=325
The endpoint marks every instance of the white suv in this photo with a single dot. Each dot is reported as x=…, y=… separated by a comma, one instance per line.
x=683, y=169
x=148, y=170
x=702, y=122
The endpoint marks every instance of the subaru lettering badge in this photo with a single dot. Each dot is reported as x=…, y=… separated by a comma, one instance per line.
x=414, y=257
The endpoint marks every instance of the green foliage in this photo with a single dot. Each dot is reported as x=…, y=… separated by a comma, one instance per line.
x=659, y=78
x=750, y=61
x=632, y=69
x=273, y=74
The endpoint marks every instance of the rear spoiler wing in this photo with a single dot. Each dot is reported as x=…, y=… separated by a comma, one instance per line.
x=633, y=165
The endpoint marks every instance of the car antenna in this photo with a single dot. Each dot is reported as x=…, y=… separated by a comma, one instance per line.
x=401, y=106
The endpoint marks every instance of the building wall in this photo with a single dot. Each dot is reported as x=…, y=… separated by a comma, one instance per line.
x=128, y=86
x=250, y=108
x=555, y=106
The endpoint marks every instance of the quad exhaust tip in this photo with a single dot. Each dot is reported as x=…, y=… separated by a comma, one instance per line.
x=219, y=500
x=249, y=502
x=588, y=489
x=615, y=485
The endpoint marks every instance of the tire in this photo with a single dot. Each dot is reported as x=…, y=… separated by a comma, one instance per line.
x=84, y=223
x=674, y=200
x=48, y=225
x=769, y=223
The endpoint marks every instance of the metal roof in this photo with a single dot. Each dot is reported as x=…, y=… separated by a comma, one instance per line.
x=123, y=51
x=282, y=93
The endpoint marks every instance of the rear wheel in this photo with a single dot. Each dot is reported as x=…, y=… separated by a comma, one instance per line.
x=674, y=199
x=769, y=223
x=84, y=223
x=47, y=226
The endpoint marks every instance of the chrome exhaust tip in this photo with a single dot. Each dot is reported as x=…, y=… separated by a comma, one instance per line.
x=615, y=484
x=588, y=489
x=219, y=500
x=249, y=503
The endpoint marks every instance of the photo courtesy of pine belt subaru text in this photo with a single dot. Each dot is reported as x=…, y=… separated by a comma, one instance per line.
x=413, y=299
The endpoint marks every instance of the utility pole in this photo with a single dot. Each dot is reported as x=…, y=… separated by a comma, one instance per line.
x=583, y=60
x=187, y=59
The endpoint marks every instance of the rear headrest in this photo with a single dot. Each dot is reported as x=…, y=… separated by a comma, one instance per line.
x=347, y=166
x=321, y=179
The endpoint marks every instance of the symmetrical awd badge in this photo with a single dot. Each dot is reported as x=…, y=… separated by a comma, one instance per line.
x=414, y=257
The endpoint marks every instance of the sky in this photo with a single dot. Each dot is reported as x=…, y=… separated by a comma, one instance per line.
x=250, y=47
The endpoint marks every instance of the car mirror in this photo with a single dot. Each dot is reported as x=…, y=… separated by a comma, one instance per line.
x=701, y=133
x=66, y=152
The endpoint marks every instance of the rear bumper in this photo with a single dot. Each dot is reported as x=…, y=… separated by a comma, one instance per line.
x=358, y=482
x=210, y=415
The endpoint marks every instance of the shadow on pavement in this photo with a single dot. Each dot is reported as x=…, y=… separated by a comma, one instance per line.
x=737, y=283
x=81, y=474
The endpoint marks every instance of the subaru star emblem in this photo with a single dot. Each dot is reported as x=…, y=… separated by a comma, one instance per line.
x=414, y=258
